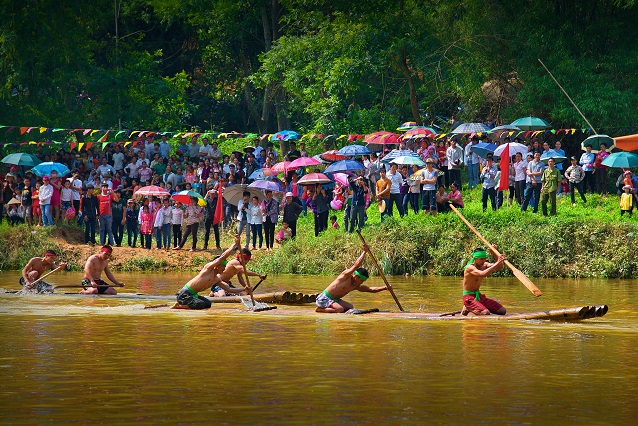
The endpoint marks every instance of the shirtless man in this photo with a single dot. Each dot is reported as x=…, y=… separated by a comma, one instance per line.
x=35, y=269
x=95, y=265
x=209, y=276
x=475, y=271
x=235, y=267
x=329, y=301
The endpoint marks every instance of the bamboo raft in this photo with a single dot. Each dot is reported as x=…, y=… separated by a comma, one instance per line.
x=280, y=297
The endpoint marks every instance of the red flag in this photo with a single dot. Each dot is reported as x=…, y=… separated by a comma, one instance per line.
x=505, y=169
x=219, y=209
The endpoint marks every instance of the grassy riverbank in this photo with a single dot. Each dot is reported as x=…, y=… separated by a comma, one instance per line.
x=581, y=241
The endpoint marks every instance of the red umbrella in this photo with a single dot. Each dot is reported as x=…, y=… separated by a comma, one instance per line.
x=314, y=179
x=152, y=191
x=303, y=162
x=282, y=167
x=382, y=138
x=419, y=132
x=333, y=156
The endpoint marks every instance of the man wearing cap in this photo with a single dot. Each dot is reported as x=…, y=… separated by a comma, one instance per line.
x=209, y=277
x=292, y=210
x=44, y=195
x=95, y=265
x=329, y=301
x=477, y=269
x=36, y=268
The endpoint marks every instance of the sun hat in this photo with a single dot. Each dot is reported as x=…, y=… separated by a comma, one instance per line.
x=46, y=178
x=289, y=194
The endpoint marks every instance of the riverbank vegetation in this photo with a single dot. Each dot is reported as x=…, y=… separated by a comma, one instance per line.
x=580, y=242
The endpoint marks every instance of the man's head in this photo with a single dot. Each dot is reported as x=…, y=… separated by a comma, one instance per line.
x=429, y=163
x=245, y=254
x=105, y=188
x=551, y=163
x=537, y=156
x=105, y=252
x=479, y=256
x=50, y=255
x=360, y=276
x=382, y=172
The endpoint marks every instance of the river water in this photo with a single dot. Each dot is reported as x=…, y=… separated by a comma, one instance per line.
x=103, y=360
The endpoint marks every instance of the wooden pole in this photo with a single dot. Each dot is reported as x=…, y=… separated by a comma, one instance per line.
x=387, y=284
x=243, y=264
x=519, y=274
x=59, y=268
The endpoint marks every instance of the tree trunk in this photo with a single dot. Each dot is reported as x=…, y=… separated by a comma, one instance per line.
x=414, y=104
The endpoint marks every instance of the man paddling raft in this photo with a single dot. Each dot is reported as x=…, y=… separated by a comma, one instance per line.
x=329, y=301
x=95, y=265
x=477, y=269
x=217, y=273
x=36, y=268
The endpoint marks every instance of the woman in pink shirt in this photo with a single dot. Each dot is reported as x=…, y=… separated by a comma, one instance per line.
x=56, y=182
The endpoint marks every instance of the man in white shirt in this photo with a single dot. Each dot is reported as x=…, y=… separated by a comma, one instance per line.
x=148, y=147
x=258, y=148
x=193, y=150
x=472, y=160
x=76, y=187
x=118, y=159
x=142, y=159
x=105, y=169
x=169, y=177
x=454, y=155
x=215, y=153
x=204, y=150
x=395, y=190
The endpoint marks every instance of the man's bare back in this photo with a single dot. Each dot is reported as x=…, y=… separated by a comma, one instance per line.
x=95, y=265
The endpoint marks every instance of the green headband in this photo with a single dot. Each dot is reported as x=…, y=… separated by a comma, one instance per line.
x=358, y=274
x=477, y=255
x=224, y=262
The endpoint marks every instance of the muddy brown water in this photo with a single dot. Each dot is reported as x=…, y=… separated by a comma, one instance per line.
x=110, y=361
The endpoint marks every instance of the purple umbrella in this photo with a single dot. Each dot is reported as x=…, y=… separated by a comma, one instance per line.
x=266, y=185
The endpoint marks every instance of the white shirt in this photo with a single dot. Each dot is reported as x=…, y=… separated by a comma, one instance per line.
x=140, y=161
x=454, y=154
x=118, y=161
x=131, y=170
x=254, y=214
x=165, y=149
x=66, y=194
x=77, y=184
x=397, y=180
x=425, y=174
x=45, y=194
x=177, y=215
x=519, y=171
x=215, y=153
x=159, y=218
x=205, y=149
x=471, y=157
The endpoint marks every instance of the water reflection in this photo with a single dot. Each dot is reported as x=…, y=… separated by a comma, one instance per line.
x=105, y=360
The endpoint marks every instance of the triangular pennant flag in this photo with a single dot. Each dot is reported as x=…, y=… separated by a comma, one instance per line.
x=119, y=133
x=88, y=145
x=72, y=146
x=10, y=128
x=103, y=138
x=30, y=128
x=104, y=145
x=86, y=132
x=94, y=132
x=23, y=130
x=80, y=146
x=127, y=143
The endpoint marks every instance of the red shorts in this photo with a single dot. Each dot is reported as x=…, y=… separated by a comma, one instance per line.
x=476, y=306
x=36, y=210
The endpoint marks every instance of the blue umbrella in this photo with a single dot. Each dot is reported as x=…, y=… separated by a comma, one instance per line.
x=354, y=150
x=285, y=135
x=266, y=185
x=623, y=159
x=344, y=166
x=395, y=153
x=44, y=169
x=553, y=154
x=257, y=175
x=531, y=123
x=482, y=149
x=21, y=159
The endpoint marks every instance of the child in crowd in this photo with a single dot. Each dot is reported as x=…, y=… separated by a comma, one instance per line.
x=333, y=221
x=35, y=205
x=563, y=187
x=146, y=227
x=284, y=234
x=177, y=217
x=66, y=199
x=626, y=202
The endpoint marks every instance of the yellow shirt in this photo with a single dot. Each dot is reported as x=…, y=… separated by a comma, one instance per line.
x=625, y=201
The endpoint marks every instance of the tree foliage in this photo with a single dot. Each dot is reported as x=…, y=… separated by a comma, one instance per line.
x=316, y=65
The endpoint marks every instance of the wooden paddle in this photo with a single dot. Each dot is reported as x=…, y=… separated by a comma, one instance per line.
x=257, y=285
x=387, y=284
x=59, y=268
x=517, y=273
x=243, y=264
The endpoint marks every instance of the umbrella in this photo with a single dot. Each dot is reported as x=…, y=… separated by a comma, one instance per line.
x=355, y=150
x=627, y=143
x=303, y=162
x=552, y=154
x=13, y=201
x=266, y=185
x=515, y=148
x=234, y=194
x=344, y=166
x=184, y=197
x=471, y=128
x=505, y=127
x=285, y=135
x=21, y=159
x=406, y=126
x=398, y=153
x=323, y=161
x=408, y=160
x=341, y=178
x=332, y=156
x=382, y=138
x=46, y=168
x=482, y=149
x=595, y=140
x=281, y=167
x=261, y=174
x=623, y=159
x=531, y=123
x=420, y=132
x=152, y=191
x=314, y=179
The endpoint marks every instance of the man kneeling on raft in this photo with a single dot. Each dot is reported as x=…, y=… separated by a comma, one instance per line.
x=35, y=269
x=213, y=274
x=477, y=269
x=329, y=301
x=95, y=265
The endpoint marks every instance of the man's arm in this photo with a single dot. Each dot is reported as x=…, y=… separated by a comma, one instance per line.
x=25, y=272
x=365, y=289
x=254, y=274
x=110, y=276
x=496, y=266
x=230, y=249
x=229, y=289
x=357, y=264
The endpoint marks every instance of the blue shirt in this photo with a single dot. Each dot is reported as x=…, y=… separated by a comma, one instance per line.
x=489, y=176
x=560, y=152
x=358, y=194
